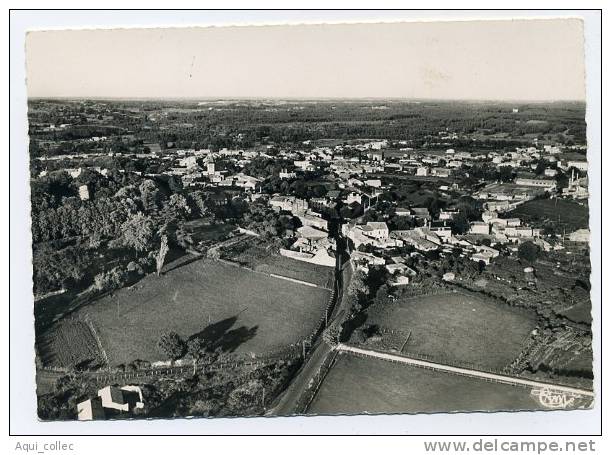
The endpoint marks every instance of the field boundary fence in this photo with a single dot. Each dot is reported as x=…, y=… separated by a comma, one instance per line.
x=500, y=377
x=87, y=320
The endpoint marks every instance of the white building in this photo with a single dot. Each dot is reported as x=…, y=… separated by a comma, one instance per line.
x=479, y=227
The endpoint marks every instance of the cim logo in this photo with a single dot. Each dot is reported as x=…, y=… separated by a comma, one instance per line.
x=553, y=399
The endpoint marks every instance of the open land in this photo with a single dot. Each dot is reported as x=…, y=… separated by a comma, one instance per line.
x=459, y=328
x=564, y=213
x=356, y=385
x=233, y=308
x=262, y=260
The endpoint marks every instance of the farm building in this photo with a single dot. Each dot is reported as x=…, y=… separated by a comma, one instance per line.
x=90, y=409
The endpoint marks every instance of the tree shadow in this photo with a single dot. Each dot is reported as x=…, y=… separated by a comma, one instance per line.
x=221, y=336
x=179, y=262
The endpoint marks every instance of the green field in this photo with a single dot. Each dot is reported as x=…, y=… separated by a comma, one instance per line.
x=357, y=385
x=262, y=260
x=566, y=214
x=230, y=307
x=71, y=342
x=458, y=328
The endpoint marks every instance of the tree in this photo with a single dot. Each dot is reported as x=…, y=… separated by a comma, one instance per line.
x=171, y=345
x=460, y=223
x=137, y=232
x=528, y=251
x=161, y=254
x=195, y=348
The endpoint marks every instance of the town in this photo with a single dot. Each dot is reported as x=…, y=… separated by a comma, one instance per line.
x=265, y=257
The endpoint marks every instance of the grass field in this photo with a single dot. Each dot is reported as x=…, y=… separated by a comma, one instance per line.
x=262, y=260
x=356, y=385
x=230, y=307
x=459, y=328
x=70, y=343
x=564, y=213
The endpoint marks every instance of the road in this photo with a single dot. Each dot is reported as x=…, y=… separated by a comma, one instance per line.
x=287, y=402
x=464, y=371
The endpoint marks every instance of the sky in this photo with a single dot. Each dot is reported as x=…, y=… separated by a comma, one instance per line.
x=473, y=60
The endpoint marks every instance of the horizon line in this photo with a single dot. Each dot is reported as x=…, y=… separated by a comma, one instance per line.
x=295, y=98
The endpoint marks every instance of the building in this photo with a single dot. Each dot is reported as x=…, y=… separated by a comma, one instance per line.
x=374, y=183
x=112, y=398
x=210, y=168
x=580, y=235
x=539, y=182
x=402, y=211
x=307, y=219
x=289, y=203
x=353, y=197
x=447, y=214
x=83, y=192
x=442, y=172
x=91, y=409
x=124, y=399
x=377, y=230
x=442, y=229
x=284, y=174
x=479, y=227
x=421, y=213
x=422, y=171
x=580, y=165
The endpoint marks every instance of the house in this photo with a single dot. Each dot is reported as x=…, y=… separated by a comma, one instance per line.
x=580, y=235
x=374, y=183
x=417, y=239
x=398, y=280
x=289, y=203
x=479, y=227
x=422, y=171
x=353, y=197
x=483, y=256
x=315, y=221
x=421, y=213
x=443, y=172
x=448, y=214
x=442, y=229
x=402, y=211
x=90, y=409
x=284, y=174
x=358, y=257
x=124, y=399
x=112, y=398
x=377, y=230
x=580, y=165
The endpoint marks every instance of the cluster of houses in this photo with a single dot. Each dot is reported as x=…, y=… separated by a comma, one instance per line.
x=358, y=169
x=111, y=401
x=433, y=236
x=313, y=243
